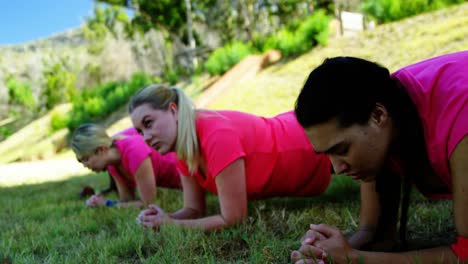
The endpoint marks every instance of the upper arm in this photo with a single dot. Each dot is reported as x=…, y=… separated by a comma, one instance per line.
x=146, y=183
x=459, y=170
x=370, y=205
x=232, y=192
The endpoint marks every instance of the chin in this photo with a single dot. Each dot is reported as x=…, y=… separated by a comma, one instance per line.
x=163, y=151
x=368, y=178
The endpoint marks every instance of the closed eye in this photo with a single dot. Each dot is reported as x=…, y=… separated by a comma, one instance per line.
x=342, y=150
x=147, y=123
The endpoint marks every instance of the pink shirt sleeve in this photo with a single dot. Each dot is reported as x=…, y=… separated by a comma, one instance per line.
x=459, y=130
x=134, y=154
x=219, y=149
x=217, y=152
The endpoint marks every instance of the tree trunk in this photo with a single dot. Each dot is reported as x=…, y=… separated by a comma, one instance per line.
x=192, y=44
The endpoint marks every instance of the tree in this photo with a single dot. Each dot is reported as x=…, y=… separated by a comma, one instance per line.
x=171, y=16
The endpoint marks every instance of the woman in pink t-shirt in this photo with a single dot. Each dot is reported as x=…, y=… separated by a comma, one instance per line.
x=129, y=160
x=235, y=155
x=388, y=131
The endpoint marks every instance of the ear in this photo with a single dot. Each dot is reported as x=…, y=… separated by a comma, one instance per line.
x=174, y=109
x=101, y=149
x=379, y=115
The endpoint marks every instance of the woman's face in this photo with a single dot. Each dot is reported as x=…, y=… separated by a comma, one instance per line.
x=158, y=127
x=97, y=161
x=358, y=151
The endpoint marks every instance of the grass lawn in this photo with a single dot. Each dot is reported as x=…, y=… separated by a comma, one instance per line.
x=48, y=223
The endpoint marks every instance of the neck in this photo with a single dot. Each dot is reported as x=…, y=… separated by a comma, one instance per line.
x=114, y=156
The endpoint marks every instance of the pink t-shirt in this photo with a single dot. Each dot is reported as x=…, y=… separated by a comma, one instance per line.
x=279, y=159
x=133, y=151
x=131, y=131
x=439, y=89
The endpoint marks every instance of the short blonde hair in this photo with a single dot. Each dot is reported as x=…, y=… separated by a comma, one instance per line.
x=159, y=97
x=89, y=137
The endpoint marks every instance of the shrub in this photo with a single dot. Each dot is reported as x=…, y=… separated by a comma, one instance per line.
x=171, y=77
x=5, y=132
x=385, y=11
x=222, y=59
x=95, y=103
x=20, y=93
x=314, y=30
x=59, y=85
x=309, y=33
x=58, y=120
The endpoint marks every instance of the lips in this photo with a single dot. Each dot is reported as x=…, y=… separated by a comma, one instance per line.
x=355, y=176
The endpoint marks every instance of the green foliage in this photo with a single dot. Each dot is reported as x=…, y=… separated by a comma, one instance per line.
x=58, y=120
x=95, y=74
x=59, y=84
x=385, y=11
x=224, y=58
x=298, y=38
x=314, y=30
x=172, y=77
x=103, y=22
x=5, y=132
x=95, y=103
x=20, y=93
x=292, y=40
x=162, y=14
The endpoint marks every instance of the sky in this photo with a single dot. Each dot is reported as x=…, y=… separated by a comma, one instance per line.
x=26, y=20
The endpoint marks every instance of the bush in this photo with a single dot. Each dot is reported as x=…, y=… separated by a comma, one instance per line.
x=314, y=30
x=171, y=76
x=58, y=120
x=20, y=93
x=309, y=33
x=385, y=11
x=59, y=85
x=95, y=103
x=222, y=59
x=5, y=132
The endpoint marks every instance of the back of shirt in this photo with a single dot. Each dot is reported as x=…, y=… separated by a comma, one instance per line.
x=279, y=159
x=439, y=89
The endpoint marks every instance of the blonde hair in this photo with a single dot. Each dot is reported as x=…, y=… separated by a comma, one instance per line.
x=87, y=138
x=159, y=97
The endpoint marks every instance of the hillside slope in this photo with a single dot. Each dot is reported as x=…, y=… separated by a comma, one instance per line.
x=393, y=45
x=274, y=89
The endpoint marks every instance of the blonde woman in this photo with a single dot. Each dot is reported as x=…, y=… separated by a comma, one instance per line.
x=235, y=155
x=128, y=159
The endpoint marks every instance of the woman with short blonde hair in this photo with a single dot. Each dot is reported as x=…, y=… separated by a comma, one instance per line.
x=128, y=159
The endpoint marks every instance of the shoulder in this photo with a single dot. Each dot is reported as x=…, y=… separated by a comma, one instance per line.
x=445, y=69
x=129, y=144
x=208, y=122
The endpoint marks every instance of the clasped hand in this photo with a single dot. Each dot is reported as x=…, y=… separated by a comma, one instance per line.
x=323, y=244
x=153, y=217
x=96, y=200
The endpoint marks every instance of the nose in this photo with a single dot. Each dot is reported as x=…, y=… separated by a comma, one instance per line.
x=86, y=164
x=339, y=166
x=146, y=136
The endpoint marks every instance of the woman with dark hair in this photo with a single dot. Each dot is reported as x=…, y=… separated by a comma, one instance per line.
x=390, y=132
